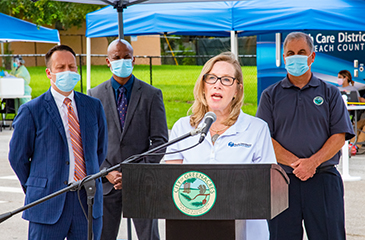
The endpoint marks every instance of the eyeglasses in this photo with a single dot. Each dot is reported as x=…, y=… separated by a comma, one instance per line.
x=212, y=79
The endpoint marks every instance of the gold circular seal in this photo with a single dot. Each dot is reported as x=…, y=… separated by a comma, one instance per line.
x=194, y=193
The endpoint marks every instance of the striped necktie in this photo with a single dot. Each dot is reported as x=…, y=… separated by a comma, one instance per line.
x=74, y=128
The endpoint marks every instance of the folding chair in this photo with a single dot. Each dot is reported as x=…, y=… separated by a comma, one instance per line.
x=7, y=106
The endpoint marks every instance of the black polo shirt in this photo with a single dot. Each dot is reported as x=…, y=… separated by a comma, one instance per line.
x=302, y=120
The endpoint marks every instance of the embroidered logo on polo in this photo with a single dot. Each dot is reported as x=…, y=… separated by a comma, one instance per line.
x=318, y=100
x=246, y=145
x=194, y=193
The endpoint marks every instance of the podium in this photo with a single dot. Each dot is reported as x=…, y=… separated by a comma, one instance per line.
x=203, y=201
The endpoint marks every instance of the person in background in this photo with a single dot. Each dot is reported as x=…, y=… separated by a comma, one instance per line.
x=19, y=70
x=358, y=148
x=219, y=89
x=136, y=119
x=309, y=124
x=344, y=80
x=59, y=138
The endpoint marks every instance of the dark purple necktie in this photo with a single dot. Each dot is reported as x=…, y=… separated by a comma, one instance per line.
x=122, y=105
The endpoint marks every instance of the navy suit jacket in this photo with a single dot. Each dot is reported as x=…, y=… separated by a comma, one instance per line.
x=39, y=152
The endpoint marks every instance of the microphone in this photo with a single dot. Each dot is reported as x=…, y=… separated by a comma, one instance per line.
x=210, y=118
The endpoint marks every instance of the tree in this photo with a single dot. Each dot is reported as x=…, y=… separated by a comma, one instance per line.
x=63, y=15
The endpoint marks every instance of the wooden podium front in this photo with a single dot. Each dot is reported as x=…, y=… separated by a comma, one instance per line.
x=203, y=199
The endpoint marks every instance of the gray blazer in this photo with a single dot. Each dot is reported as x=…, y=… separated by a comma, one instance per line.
x=145, y=126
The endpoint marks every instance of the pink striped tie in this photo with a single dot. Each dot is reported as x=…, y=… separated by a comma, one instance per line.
x=74, y=128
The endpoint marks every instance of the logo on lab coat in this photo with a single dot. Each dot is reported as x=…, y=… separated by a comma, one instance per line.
x=246, y=145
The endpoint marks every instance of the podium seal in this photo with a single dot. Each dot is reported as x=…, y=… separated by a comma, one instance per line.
x=194, y=193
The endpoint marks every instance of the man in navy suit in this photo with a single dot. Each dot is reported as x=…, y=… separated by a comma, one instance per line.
x=43, y=156
x=135, y=127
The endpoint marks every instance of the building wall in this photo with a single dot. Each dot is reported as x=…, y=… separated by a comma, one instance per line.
x=31, y=48
x=75, y=38
x=147, y=46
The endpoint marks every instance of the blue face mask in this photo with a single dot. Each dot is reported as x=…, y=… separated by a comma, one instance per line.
x=15, y=65
x=296, y=65
x=67, y=80
x=122, y=68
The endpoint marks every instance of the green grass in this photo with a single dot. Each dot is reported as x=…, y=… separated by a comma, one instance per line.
x=176, y=83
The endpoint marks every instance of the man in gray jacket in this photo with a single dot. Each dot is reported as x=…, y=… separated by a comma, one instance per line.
x=136, y=122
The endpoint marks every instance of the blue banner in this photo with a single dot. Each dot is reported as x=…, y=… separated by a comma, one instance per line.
x=335, y=51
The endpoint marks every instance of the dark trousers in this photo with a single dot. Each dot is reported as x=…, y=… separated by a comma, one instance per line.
x=72, y=223
x=147, y=229
x=319, y=202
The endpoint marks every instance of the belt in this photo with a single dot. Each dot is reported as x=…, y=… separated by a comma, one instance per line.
x=324, y=168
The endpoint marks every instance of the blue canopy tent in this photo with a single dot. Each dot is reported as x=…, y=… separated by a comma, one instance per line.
x=120, y=5
x=194, y=18
x=252, y=17
x=256, y=17
x=13, y=29
x=213, y=19
x=219, y=18
x=249, y=17
x=275, y=16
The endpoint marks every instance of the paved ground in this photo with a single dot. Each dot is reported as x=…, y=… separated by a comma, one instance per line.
x=11, y=198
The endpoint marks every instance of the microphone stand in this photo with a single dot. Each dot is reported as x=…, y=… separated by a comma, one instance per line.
x=89, y=181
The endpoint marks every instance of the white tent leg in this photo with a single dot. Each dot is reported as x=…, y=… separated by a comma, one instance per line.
x=345, y=164
x=2, y=52
x=345, y=157
x=278, y=49
x=234, y=43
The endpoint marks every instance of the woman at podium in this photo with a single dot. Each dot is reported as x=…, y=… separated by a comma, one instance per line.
x=234, y=138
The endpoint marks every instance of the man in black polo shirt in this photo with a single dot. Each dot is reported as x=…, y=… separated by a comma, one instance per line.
x=309, y=124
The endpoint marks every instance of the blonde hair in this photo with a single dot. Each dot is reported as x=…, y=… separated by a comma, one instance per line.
x=200, y=105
